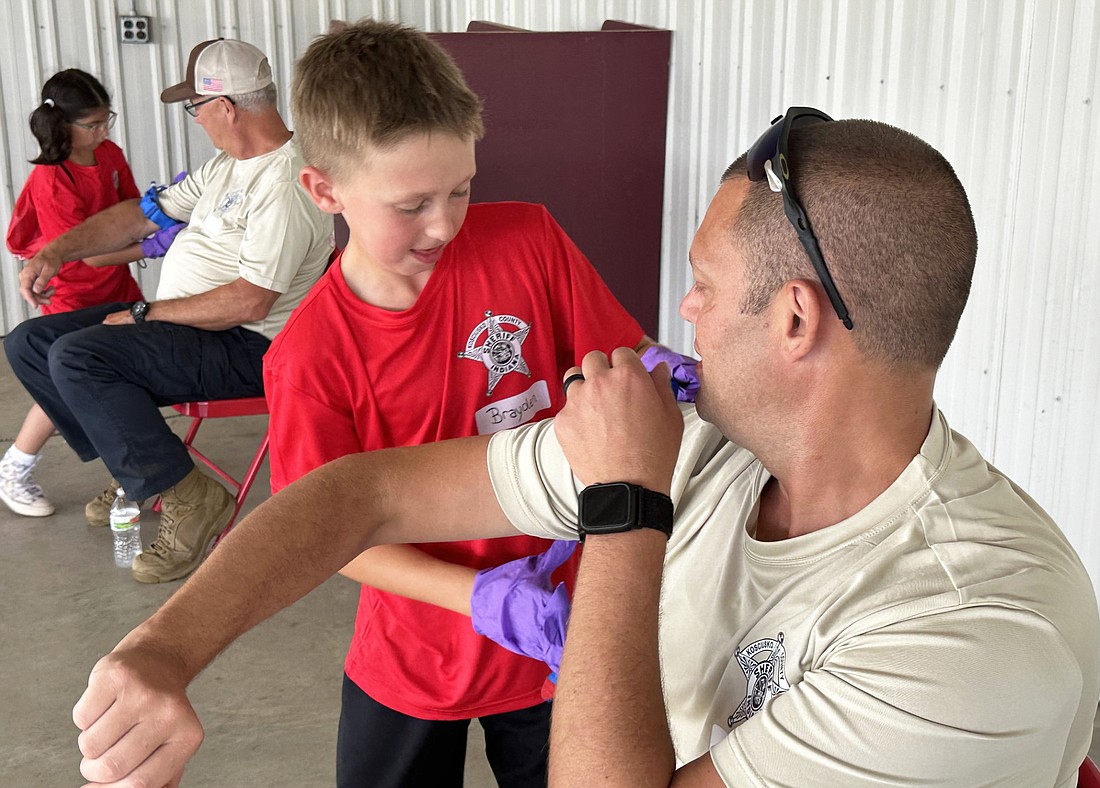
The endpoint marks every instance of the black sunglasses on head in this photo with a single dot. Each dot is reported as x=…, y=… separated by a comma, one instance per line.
x=768, y=159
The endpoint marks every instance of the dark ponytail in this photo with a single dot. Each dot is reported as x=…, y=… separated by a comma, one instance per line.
x=66, y=96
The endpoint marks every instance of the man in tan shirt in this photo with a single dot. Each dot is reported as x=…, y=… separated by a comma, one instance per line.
x=848, y=594
x=253, y=245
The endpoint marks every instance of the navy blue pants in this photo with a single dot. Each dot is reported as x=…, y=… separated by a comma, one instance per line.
x=103, y=386
x=378, y=747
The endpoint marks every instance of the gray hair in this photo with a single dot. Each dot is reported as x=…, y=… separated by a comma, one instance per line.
x=257, y=99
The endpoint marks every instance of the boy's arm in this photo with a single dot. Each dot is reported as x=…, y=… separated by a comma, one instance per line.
x=305, y=433
x=135, y=715
x=412, y=573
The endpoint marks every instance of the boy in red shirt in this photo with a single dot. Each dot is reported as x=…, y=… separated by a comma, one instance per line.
x=439, y=320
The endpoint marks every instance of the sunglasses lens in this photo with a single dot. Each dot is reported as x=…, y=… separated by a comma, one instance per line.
x=762, y=151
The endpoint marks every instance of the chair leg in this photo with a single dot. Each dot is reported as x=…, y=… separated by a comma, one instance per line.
x=246, y=485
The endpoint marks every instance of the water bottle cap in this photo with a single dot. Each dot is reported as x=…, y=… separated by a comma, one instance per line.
x=120, y=493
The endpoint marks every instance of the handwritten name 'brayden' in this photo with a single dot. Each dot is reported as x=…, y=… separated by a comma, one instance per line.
x=514, y=411
x=498, y=416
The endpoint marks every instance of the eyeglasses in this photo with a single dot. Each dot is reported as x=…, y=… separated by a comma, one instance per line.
x=768, y=159
x=192, y=107
x=99, y=125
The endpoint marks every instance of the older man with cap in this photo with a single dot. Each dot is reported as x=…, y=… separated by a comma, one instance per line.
x=252, y=245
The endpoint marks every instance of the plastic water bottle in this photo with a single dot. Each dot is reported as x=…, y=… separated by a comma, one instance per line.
x=126, y=528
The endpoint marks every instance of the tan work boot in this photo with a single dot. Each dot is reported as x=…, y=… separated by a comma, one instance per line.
x=191, y=514
x=97, y=512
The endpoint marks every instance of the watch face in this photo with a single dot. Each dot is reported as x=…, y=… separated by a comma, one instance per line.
x=606, y=506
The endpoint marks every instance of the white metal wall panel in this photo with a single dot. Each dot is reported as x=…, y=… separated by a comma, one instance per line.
x=1005, y=88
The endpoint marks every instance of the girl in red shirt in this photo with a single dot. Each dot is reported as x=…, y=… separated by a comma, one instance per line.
x=78, y=172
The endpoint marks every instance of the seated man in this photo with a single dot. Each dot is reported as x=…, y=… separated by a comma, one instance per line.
x=253, y=246
x=849, y=594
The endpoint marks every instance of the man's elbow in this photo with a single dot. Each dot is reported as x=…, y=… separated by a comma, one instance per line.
x=258, y=307
x=255, y=311
x=132, y=218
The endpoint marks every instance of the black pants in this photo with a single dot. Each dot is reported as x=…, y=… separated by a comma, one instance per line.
x=103, y=386
x=378, y=747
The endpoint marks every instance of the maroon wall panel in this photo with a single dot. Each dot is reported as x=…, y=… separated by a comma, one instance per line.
x=576, y=121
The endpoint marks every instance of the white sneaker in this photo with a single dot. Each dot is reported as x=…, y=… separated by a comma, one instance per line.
x=20, y=492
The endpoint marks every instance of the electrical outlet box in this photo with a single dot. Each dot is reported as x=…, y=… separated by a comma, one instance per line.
x=134, y=29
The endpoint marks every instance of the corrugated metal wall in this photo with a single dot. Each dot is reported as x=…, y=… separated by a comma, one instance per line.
x=1005, y=88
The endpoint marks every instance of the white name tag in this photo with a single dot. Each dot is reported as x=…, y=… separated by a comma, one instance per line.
x=512, y=412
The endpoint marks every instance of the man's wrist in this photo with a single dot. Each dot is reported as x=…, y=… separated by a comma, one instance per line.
x=619, y=507
x=140, y=311
x=51, y=255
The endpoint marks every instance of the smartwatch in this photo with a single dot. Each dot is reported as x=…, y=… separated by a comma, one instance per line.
x=138, y=310
x=619, y=506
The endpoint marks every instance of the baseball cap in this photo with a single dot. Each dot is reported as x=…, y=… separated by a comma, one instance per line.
x=221, y=67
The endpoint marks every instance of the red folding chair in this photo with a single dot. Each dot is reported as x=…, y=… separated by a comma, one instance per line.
x=218, y=409
x=1089, y=775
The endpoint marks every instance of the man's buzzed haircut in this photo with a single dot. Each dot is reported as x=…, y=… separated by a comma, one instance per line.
x=374, y=84
x=895, y=228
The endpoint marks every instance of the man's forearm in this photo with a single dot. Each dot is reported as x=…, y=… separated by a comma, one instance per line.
x=108, y=231
x=228, y=306
x=303, y=535
x=609, y=716
x=285, y=548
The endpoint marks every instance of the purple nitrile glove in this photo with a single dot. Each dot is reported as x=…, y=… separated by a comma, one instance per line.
x=515, y=606
x=157, y=243
x=685, y=380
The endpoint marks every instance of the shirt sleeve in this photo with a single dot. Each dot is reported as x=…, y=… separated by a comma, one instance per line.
x=304, y=433
x=278, y=236
x=60, y=207
x=127, y=188
x=588, y=315
x=911, y=705
x=178, y=200
x=538, y=493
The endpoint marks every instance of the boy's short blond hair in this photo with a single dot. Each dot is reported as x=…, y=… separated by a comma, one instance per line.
x=373, y=84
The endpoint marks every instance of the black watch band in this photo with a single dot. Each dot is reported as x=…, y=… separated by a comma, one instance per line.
x=138, y=310
x=618, y=506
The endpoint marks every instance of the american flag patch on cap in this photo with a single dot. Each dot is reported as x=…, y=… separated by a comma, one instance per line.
x=211, y=83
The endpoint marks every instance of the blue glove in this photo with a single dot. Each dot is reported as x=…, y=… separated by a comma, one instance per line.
x=157, y=243
x=514, y=605
x=150, y=205
x=685, y=380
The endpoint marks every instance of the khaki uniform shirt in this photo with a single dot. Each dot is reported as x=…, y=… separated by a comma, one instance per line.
x=248, y=219
x=947, y=634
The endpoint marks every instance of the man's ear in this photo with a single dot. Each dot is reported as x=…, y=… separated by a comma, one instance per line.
x=800, y=318
x=320, y=189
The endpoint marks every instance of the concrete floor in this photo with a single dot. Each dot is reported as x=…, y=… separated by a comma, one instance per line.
x=269, y=704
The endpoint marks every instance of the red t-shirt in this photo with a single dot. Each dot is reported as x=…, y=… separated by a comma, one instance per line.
x=55, y=199
x=510, y=306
